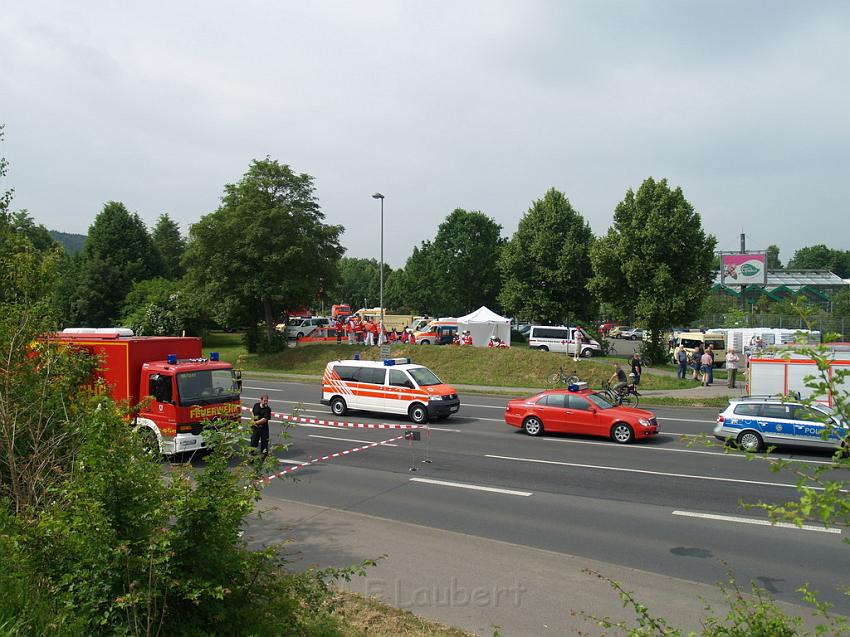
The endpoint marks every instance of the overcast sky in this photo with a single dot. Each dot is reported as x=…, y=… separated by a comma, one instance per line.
x=438, y=105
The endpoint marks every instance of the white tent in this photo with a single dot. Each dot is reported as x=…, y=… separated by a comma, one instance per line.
x=484, y=323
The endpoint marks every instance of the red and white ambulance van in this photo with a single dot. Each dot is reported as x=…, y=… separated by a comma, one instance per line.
x=394, y=386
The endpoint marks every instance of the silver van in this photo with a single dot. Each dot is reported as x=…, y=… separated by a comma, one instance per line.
x=563, y=338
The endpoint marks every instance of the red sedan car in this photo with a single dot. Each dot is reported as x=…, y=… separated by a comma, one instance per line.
x=579, y=412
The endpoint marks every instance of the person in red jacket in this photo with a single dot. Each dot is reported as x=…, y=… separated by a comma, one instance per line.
x=466, y=339
x=358, y=330
x=339, y=328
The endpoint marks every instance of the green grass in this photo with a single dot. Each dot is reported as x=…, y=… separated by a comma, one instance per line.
x=512, y=367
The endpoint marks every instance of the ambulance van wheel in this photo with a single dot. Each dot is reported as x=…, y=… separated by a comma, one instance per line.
x=418, y=414
x=338, y=406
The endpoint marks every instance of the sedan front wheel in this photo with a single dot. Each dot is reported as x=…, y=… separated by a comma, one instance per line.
x=622, y=433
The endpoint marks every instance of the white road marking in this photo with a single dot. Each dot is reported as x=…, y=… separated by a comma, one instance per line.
x=365, y=442
x=654, y=473
x=732, y=518
x=285, y=461
x=474, y=487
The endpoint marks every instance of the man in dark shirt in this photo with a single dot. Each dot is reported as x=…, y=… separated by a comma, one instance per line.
x=637, y=369
x=260, y=426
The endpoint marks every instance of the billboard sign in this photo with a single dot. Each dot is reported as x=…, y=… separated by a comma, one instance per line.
x=743, y=269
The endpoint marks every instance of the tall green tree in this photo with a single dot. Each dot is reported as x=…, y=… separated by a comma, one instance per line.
x=359, y=280
x=170, y=245
x=773, y=262
x=465, y=262
x=645, y=270
x=117, y=253
x=546, y=264
x=413, y=287
x=37, y=234
x=821, y=257
x=5, y=195
x=265, y=249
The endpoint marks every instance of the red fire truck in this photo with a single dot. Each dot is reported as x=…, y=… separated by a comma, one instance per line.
x=169, y=389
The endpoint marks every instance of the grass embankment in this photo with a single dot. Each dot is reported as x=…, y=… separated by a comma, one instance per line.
x=511, y=367
x=366, y=617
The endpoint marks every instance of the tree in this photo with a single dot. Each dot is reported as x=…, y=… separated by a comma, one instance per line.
x=465, y=262
x=37, y=234
x=265, y=249
x=773, y=262
x=359, y=280
x=644, y=269
x=117, y=253
x=413, y=287
x=546, y=264
x=820, y=257
x=170, y=245
x=5, y=195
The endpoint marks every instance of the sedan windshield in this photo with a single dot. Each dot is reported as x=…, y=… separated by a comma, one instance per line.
x=599, y=401
x=424, y=376
x=206, y=387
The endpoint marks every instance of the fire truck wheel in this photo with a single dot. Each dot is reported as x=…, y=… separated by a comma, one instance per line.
x=418, y=414
x=338, y=406
x=149, y=440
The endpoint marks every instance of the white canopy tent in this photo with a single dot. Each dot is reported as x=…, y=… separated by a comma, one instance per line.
x=484, y=323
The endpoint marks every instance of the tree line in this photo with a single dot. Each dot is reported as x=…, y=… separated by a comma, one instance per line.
x=267, y=250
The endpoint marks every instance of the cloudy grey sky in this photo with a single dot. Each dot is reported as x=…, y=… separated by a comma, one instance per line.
x=442, y=104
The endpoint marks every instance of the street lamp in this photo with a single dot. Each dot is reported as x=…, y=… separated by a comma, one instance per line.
x=378, y=195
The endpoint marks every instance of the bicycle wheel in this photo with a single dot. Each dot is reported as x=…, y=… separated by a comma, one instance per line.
x=572, y=380
x=646, y=361
x=612, y=351
x=610, y=395
x=554, y=377
x=630, y=400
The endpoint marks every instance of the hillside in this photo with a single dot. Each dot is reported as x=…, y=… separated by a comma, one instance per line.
x=73, y=243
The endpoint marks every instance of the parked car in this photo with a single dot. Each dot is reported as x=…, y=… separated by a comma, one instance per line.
x=754, y=422
x=632, y=334
x=579, y=412
x=605, y=328
x=617, y=331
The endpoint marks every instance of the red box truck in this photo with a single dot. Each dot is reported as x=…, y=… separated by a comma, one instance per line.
x=169, y=389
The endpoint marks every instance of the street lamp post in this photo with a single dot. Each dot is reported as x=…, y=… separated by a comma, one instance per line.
x=378, y=195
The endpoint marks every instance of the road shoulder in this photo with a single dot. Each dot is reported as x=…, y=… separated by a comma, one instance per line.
x=470, y=582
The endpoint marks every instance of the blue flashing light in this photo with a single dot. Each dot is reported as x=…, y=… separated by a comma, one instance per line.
x=214, y=356
x=388, y=362
x=572, y=387
x=357, y=357
x=171, y=359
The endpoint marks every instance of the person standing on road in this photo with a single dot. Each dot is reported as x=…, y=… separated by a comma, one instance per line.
x=339, y=328
x=349, y=329
x=731, y=367
x=706, y=361
x=710, y=351
x=682, y=360
x=696, y=361
x=262, y=414
x=637, y=369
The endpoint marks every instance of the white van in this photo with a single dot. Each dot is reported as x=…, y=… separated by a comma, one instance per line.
x=394, y=386
x=563, y=338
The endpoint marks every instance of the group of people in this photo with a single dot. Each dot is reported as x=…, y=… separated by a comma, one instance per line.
x=368, y=332
x=702, y=361
x=462, y=338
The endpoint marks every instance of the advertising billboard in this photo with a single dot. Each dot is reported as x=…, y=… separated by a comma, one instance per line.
x=743, y=269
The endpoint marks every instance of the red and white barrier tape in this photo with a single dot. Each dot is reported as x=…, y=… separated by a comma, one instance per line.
x=339, y=423
x=329, y=456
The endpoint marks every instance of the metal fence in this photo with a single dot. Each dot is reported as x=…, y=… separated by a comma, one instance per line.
x=824, y=324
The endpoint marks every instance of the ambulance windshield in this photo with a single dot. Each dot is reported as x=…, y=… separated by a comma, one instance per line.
x=207, y=386
x=424, y=376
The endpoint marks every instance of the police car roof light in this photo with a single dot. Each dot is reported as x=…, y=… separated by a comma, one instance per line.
x=213, y=356
x=171, y=359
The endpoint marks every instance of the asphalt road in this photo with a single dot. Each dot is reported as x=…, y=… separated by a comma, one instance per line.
x=640, y=506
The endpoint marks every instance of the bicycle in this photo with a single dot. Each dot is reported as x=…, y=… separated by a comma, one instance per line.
x=560, y=377
x=612, y=351
x=628, y=395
